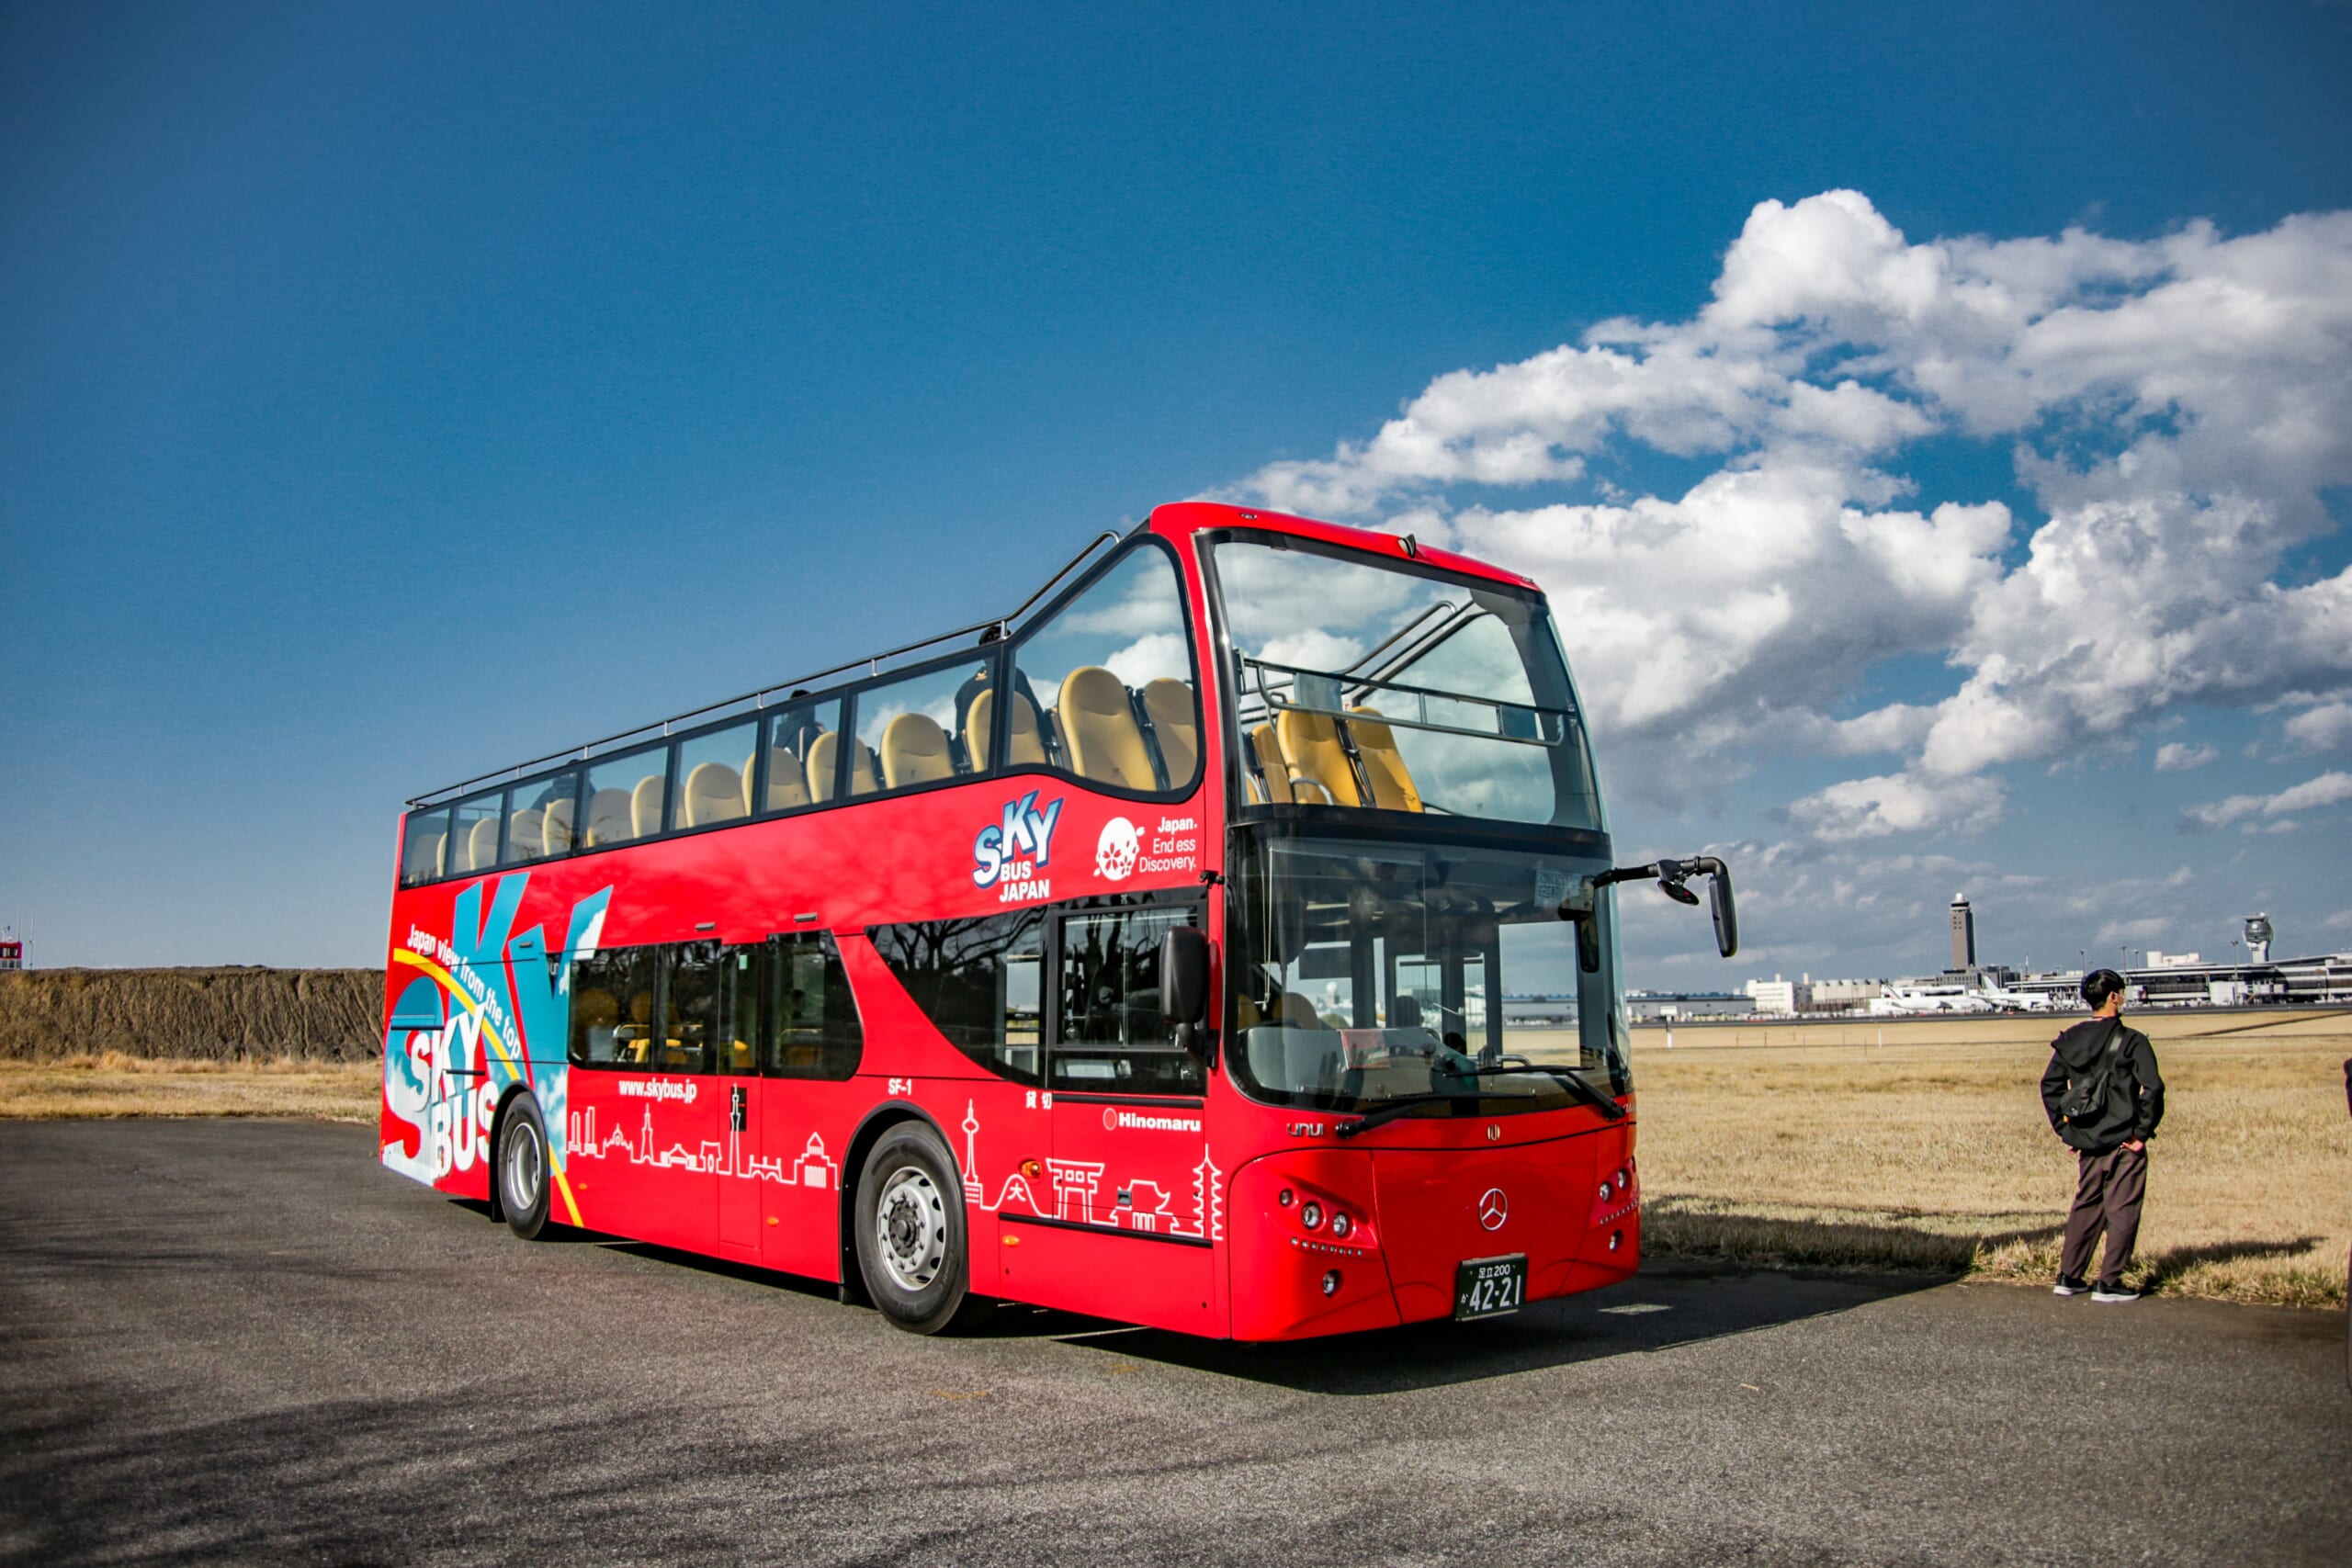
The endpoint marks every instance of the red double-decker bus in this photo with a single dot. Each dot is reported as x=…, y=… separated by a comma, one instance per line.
x=1224, y=942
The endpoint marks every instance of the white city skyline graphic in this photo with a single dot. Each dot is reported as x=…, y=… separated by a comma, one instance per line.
x=814, y=1167
x=1137, y=1203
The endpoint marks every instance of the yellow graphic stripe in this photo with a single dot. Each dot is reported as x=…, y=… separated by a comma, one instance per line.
x=448, y=983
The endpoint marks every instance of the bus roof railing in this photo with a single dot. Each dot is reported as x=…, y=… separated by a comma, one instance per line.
x=994, y=629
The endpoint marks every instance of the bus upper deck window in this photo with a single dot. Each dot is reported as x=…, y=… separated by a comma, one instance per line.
x=624, y=796
x=789, y=737
x=913, y=727
x=715, y=775
x=1104, y=688
x=539, y=814
x=425, y=852
x=474, y=831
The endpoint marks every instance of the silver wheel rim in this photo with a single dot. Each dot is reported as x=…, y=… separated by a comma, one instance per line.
x=524, y=1169
x=910, y=1229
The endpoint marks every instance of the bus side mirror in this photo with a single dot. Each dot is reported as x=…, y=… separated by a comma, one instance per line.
x=1184, y=976
x=1726, y=910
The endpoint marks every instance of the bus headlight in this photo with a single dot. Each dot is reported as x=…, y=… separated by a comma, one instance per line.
x=1311, y=1215
x=1341, y=1226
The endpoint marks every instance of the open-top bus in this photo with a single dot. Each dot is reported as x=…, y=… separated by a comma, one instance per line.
x=1146, y=955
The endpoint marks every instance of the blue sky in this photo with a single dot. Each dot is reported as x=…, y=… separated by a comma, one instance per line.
x=389, y=393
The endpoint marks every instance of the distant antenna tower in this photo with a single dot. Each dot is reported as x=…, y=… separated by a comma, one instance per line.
x=2257, y=938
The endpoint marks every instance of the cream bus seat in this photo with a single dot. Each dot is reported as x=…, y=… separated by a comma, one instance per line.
x=557, y=829
x=823, y=751
x=645, y=803
x=915, y=751
x=1300, y=1013
x=1268, y=752
x=1391, y=784
x=1028, y=746
x=714, y=793
x=522, y=834
x=1105, y=742
x=1176, y=724
x=482, y=845
x=1317, y=760
x=608, y=820
x=430, y=849
x=787, y=786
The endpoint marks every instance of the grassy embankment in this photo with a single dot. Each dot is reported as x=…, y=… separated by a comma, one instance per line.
x=227, y=1042
x=1909, y=1146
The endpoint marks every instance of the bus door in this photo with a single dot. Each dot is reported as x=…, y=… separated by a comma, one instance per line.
x=1137, y=1202
x=741, y=1094
x=647, y=1134
x=813, y=1045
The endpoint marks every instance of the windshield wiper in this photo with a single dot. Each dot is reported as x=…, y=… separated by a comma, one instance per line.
x=1389, y=1110
x=1566, y=1077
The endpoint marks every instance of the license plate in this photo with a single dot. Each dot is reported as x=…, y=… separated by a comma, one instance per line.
x=1489, y=1287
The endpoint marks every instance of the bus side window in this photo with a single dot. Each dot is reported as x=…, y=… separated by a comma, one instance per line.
x=1110, y=1035
x=692, y=1016
x=1110, y=678
x=742, y=999
x=977, y=981
x=817, y=1034
x=612, y=1007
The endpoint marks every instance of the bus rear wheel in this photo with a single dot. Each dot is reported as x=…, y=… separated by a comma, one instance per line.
x=910, y=1231
x=523, y=1168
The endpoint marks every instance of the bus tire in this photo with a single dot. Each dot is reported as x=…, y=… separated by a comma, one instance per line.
x=910, y=1231
x=522, y=1168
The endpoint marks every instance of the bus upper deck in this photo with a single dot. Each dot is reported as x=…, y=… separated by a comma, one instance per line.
x=1109, y=695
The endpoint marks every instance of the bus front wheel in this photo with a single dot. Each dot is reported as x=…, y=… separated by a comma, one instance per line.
x=523, y=1168
x=910, y=1230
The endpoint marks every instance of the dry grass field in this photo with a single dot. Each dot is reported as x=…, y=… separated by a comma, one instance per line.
x=112, y=1084
x=1816, y=1144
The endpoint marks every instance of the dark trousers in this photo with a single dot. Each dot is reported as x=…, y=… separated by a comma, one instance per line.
x=2107, y=1195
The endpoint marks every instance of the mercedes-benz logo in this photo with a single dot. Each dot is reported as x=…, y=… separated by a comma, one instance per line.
x=1493, y=1209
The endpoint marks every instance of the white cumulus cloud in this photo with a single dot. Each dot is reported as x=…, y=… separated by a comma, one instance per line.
x=2176, y=407
x=2330, y=789
x=2178, y=756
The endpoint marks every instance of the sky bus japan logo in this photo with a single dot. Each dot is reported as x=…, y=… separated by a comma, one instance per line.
x=1011, y=852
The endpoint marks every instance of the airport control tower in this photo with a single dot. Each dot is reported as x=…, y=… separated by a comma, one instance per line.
x=2257, y=938
x=1964, y=935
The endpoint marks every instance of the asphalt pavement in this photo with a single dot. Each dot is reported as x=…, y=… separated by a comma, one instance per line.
x=244, y=1341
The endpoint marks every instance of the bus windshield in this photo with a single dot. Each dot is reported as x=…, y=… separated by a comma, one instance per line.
x=1363, y=683
x=1370, y=971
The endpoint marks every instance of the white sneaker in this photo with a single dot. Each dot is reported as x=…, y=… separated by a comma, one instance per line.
x=2114, y=1293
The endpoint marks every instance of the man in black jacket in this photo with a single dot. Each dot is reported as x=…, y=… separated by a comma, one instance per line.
x=2104, y=1098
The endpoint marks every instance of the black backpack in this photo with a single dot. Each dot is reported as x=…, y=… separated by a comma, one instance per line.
x=2084, y=1100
